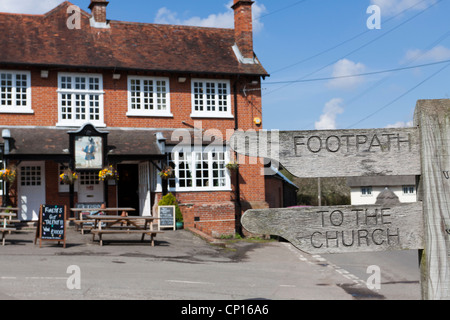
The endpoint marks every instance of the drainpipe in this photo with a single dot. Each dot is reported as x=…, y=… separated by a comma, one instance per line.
x=238, y=185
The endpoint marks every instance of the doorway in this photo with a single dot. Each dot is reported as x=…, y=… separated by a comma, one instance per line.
x=31, y=189
x=128, y=187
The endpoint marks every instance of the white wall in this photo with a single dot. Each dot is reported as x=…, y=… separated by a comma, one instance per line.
x=357, y=198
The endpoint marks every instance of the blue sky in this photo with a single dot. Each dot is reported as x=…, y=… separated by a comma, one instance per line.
x=317, y=39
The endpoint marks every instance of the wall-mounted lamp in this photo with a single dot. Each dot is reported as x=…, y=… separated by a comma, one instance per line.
x=44, y=74
x=6, y=135
x=257, y=121
x=116, y=76
x=182, y=79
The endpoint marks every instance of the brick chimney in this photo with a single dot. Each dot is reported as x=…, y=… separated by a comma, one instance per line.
x=243, y=27
x=98, y=9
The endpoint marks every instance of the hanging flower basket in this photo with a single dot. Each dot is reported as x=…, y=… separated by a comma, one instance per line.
x=108, y=173
x=232, y=166
x=8, y=175
x=68, y=177
x=167, y=173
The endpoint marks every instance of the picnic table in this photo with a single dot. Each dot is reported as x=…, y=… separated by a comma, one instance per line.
x=5, y=223
x=84, y=225
x=104, y=224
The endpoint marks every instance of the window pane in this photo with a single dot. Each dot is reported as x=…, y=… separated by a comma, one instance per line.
x=149, y=94
x=85, y=103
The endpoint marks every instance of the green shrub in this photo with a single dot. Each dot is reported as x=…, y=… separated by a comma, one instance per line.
x=170, y=200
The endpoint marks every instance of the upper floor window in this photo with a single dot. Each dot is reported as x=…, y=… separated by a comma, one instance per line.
x=148, y=96
x=211, y=98
x=80, y=99
x=409, y=190
x=366, y=191
x=15, y=92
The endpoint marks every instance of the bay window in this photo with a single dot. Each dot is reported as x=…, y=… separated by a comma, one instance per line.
x=199, y=169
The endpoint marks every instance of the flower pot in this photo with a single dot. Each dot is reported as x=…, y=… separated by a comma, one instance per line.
x=179, y=225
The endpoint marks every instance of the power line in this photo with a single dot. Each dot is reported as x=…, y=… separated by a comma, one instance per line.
x=401, y=96
x=282, y=9
x=362, y=74
x=362, y=46
x=344, y=42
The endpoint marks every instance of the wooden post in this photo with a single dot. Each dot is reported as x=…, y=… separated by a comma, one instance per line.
x=433, y=117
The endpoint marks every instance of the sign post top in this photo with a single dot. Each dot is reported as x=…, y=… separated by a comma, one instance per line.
x=314, y=154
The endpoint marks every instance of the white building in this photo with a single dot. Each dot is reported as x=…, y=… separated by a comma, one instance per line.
x=365, y=190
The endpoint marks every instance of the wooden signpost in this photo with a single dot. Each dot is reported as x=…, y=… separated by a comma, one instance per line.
x=422, y=151
x=51, y=224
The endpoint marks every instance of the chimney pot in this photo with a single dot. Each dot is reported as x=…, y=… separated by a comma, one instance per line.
x=98, y=9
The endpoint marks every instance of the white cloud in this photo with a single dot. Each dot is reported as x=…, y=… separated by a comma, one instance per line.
x=219, y=20
x=400, y=124
x=28, y=6
x=328, y=118
x=438, y=53
x=344, y=68
x=393, y=7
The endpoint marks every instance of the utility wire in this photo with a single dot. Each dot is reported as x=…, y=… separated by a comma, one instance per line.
x=401, y=96
x=282, y=9
x=429, y=47
x=362, y=46
x=362, y=74
x=344, y=42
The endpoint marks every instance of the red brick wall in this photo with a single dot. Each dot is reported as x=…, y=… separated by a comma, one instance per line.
x=206, y=205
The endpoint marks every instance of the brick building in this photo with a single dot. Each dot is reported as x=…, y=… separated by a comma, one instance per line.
x=70, y=78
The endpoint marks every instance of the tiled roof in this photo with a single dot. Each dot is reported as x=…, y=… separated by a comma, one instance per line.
x=45, y=40
x=45, y=141
x=52, y=141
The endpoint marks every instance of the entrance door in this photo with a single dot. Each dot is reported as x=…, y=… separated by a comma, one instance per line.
x=90, y=189
x=144, y=190
x=128, y=187
x=31, y=189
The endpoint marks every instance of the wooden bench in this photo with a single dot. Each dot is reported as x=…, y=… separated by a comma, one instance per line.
x=6, y=226
x=5, y=231
x=151, y=233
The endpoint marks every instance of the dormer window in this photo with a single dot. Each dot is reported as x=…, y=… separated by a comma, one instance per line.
x=80, y=99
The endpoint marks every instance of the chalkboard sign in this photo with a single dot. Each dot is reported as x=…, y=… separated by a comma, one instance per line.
x=52, y=224
x=166, y=215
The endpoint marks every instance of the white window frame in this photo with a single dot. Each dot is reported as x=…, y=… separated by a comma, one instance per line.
x=367, y=191
x=149, y=112
x=14, y=107
x=73, y=92
x=408, y=188
x=211, y=113
x=192, y=154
